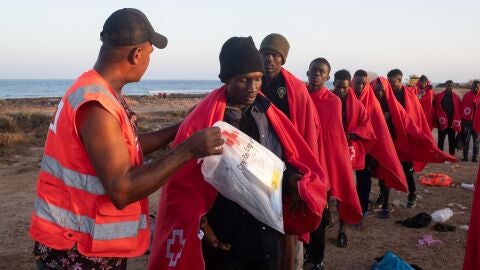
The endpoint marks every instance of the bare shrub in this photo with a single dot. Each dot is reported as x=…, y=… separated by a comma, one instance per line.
x=6, y=124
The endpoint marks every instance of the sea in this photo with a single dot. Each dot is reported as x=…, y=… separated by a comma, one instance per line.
x=56, y=88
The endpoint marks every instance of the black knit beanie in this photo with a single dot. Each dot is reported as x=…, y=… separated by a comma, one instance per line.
x=239, y=56
x=277, y=43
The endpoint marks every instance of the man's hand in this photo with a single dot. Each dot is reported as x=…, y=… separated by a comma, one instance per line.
x=297, y=203
x=352, y=136
x=205, y=142
x=387, y=116
x=210, y=237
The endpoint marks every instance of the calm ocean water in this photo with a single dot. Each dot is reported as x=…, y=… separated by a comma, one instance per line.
x=56, y=88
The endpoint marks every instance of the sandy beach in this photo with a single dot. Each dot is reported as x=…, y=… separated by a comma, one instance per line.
x=23, y=125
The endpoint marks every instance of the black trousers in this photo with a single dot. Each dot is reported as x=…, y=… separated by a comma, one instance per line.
x=315, y=249
x=385, y=192
x=470, y=133
x=216, y=259
x=364, y=186
x=451, y=139
x=410, y=175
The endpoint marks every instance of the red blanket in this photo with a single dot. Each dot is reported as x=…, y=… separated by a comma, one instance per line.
x=383, y=150
x=442, y=116
x=468, y=106
x=335, y=148
x=186, y=197
x=472, y=251
x=426, y=101
x=413, y=138
x=302, y=111
x=358, y=123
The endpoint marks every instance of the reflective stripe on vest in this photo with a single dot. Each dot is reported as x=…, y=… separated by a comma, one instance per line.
x=71, y=178
x=77, y=97
x=84, y=224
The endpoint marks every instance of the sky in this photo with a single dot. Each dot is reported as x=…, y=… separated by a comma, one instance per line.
x=60, y=39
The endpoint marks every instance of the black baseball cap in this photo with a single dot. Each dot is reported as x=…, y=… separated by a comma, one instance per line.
x=130, y=26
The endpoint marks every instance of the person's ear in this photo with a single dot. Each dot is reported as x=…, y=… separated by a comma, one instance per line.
x=308, y=73
x=328, y=77
x=135, y=55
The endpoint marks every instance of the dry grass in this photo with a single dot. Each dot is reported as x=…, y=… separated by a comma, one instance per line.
x=24, y=122
x=11, y=139
x=6, y=124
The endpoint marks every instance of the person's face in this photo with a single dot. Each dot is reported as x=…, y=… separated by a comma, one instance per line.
x=423, y=83
x=243, y=89
x=449, y=86
x=379, y=91
x=341, y=87
x=395, y=82
x=359, y=83
x=318, y=74
x=272, y=62
x=475, y=87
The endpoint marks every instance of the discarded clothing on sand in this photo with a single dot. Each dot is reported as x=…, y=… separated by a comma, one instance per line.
x=421, y=220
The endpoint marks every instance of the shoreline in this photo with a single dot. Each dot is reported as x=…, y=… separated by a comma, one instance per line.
x=170, y=95
x=134, y=97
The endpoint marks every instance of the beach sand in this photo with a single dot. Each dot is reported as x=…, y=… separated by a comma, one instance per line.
x=23, y=123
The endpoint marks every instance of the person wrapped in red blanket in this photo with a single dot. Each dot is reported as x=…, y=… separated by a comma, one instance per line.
x=382, y=161
x=426, y=96
x=187, y=197
x=471, y=261
x=289, y=94
x=447, y=114
x=470, y=121
x=335, y=149
x=412, y=143
x=355, y=120
x=358, y=130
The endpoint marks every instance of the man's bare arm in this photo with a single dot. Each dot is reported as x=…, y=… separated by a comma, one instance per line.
x=152, y=141
x=108, y=153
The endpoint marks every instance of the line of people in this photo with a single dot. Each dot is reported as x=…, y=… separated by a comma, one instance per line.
x=92, y=201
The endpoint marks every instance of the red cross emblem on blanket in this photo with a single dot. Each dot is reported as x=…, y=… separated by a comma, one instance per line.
x=467, y=110
x=352, y=152
x=175, y=246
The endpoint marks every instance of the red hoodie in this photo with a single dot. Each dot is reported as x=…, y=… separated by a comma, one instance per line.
x=442, y=116
x=468, y=106
x=413, y=137
x=383, y=150
x=471, y=260
x=187, y=197
x=337, y=162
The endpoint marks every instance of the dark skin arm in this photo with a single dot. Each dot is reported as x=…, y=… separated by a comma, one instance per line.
x=108, y=153
x=152, y=141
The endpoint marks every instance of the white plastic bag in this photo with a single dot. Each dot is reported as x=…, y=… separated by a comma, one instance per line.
x=442, y=215
x=248, y=174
